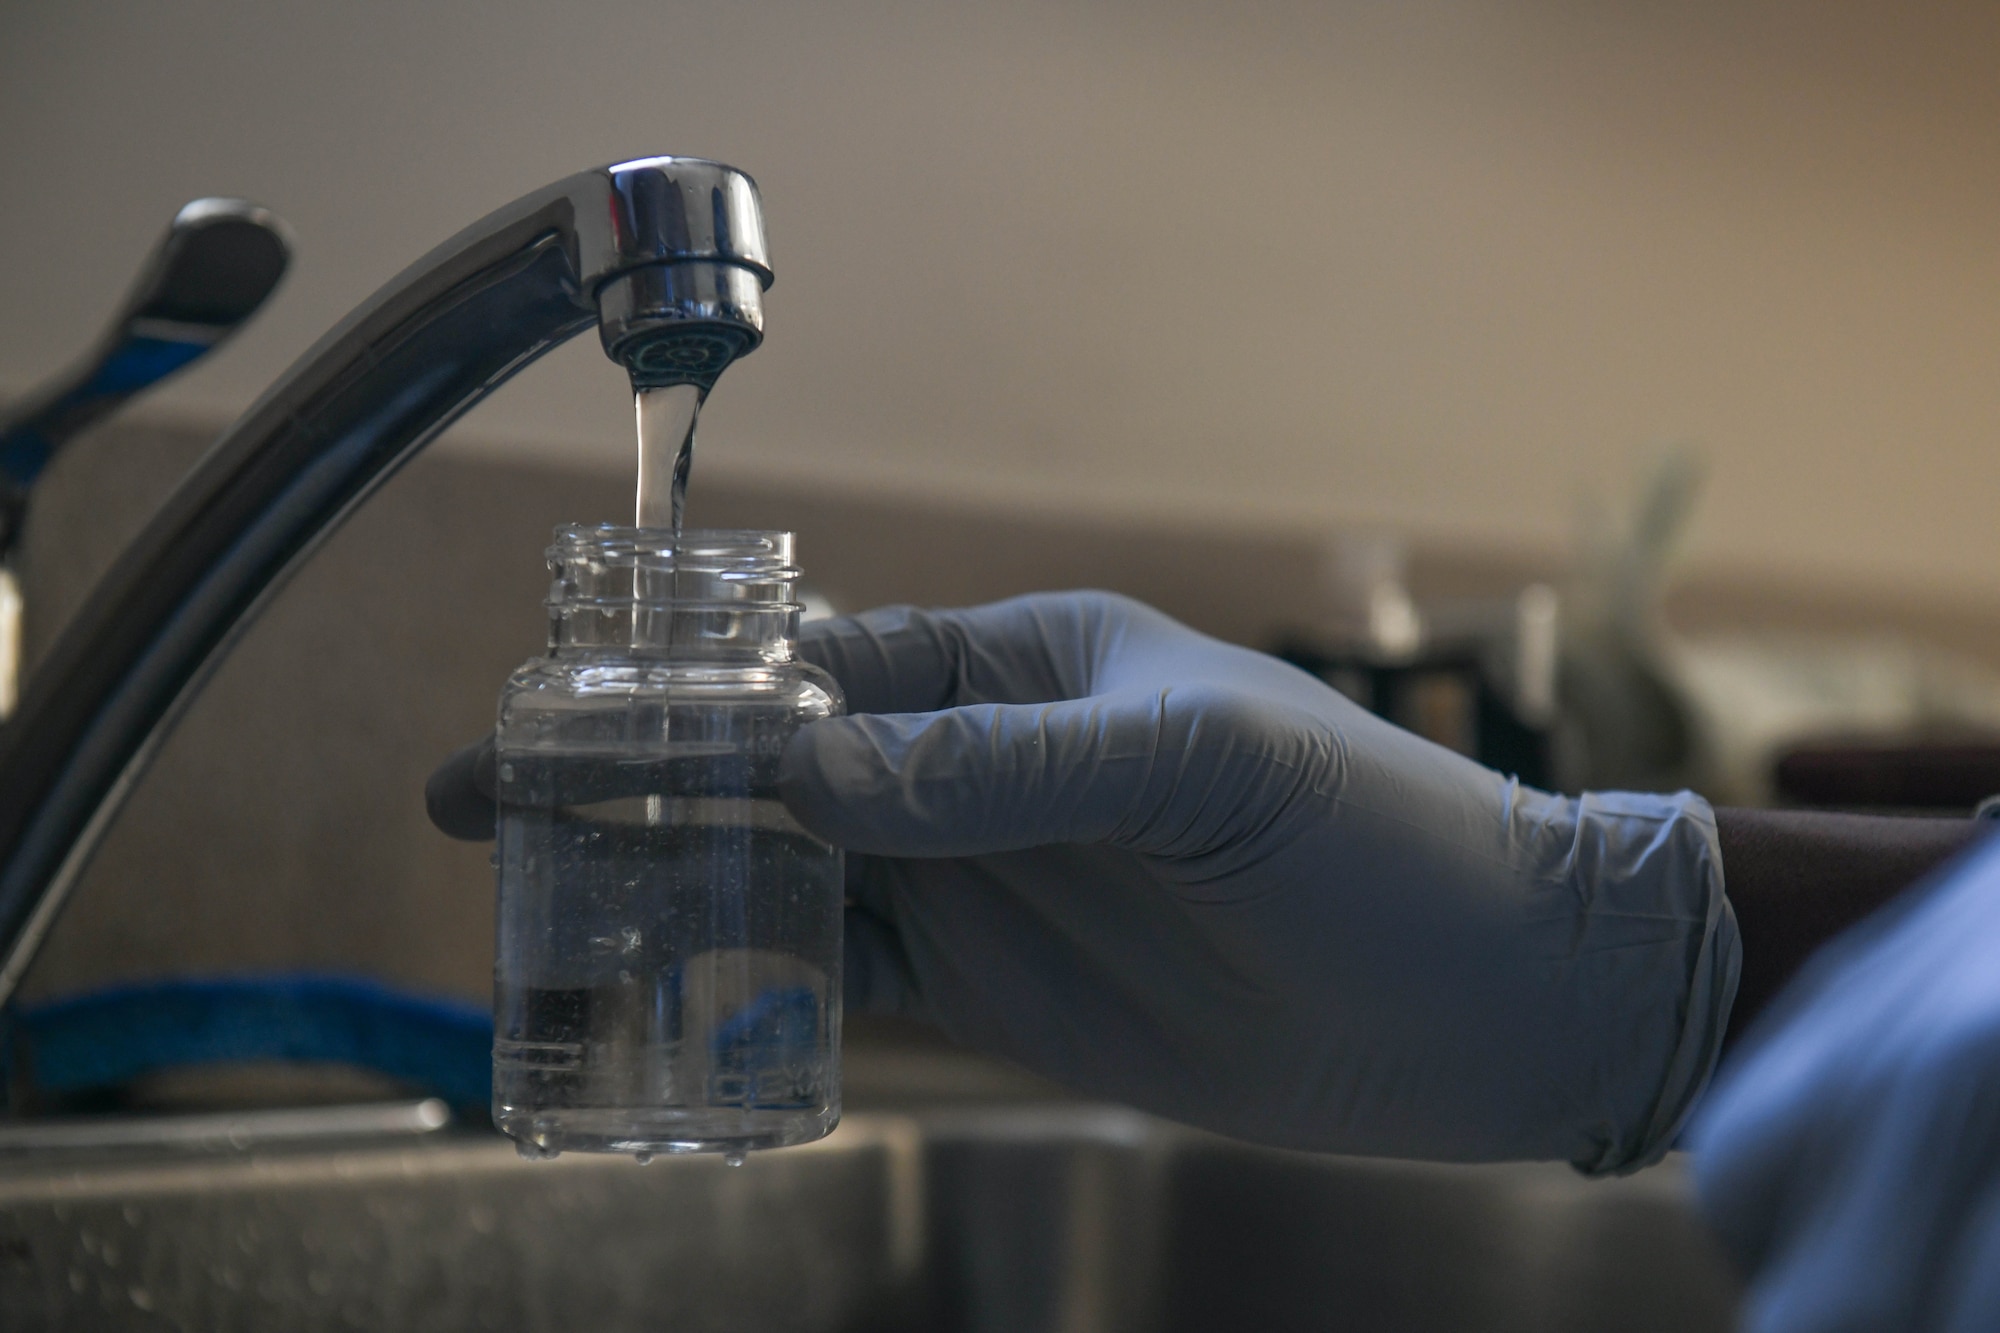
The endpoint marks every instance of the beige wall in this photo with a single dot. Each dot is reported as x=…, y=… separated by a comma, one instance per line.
x=1276, y=265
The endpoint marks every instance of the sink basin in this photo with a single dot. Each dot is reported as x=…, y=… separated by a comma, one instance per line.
x=1019, y=1218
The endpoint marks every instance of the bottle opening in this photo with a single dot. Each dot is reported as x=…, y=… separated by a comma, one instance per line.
x=727, y=591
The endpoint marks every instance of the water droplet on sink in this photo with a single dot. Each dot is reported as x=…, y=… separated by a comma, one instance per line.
x=642, y=1158
x=141, y=1298
x=734, y=1157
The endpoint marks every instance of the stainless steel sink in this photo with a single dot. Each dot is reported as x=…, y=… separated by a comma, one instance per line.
x=1066, y=1217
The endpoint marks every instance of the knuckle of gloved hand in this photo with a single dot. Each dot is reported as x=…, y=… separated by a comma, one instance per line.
x=1226, y=723
x=1073, y=615
x=1101, y=608
x=1101, y=602
x=1244, y=769
x=897, y=618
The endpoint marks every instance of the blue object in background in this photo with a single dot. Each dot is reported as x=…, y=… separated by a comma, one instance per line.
x=774, y=1026
x=110, y=1038
x=767, y=1050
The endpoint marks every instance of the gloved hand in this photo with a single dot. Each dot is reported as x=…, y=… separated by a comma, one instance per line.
x=1187, y=876
x=1177, y=873
x=1850, y=1155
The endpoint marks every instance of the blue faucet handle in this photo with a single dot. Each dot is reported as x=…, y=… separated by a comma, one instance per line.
x=215, y=266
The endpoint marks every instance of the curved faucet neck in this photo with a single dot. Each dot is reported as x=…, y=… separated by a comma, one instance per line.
x=383, y=383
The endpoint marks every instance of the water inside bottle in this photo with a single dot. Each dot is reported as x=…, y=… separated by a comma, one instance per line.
x=654, y=992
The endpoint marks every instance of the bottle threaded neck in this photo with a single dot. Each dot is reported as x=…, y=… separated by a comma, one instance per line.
x=708, y=594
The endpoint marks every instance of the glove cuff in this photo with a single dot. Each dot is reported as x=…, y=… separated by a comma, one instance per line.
x=1683, y=874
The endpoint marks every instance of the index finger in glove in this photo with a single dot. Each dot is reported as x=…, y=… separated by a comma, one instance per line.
x=1173, y=772
x=1034, y=649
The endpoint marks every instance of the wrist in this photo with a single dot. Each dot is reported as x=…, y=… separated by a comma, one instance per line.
x=1797, y=878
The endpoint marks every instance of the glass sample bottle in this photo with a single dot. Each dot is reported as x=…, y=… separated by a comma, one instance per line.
x=667, y=976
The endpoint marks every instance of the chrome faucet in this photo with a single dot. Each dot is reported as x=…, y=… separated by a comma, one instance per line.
x=665, y=255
